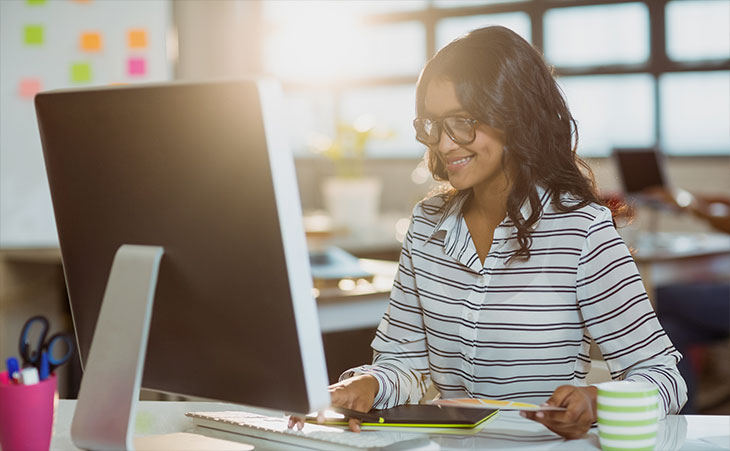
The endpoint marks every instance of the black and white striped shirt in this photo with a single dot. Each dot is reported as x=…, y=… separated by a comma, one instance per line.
x=517, y=331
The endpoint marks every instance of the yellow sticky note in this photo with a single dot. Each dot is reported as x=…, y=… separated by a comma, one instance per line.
x=80, y=73
x=33, y=34
x=137, y=38
x=90, y=41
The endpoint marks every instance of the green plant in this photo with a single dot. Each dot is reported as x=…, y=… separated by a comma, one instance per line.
x=347, y=149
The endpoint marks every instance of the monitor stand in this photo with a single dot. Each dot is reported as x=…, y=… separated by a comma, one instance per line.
x=107, y=400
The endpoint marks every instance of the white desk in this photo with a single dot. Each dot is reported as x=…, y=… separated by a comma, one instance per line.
x=508, y=431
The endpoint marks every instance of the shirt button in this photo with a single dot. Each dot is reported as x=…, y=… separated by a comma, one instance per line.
x=470, y=317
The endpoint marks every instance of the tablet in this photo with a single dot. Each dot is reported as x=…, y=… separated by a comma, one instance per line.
x=413, y=415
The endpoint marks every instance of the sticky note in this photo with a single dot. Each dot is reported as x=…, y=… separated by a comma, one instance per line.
x=33, y=34
x=137, y=38
x=35, y=2
x=29, y=87
x=136, y=66
x=91, y=41
x=80, y=73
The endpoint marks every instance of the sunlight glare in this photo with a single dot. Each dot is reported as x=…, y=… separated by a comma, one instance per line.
x=315, y=41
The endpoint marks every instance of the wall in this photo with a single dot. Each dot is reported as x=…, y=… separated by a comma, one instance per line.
x=48, y=45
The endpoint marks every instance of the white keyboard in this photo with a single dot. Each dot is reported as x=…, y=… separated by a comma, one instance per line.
x=316, y=436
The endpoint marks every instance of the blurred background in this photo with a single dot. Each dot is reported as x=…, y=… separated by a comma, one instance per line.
x=638, y=75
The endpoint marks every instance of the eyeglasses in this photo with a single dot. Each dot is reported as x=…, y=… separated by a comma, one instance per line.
x=461, y=130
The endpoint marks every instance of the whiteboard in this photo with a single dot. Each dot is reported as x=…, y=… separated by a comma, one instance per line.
x=51, y=44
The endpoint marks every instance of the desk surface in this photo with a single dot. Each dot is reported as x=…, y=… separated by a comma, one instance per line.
x=663, y=246
x=508, y=431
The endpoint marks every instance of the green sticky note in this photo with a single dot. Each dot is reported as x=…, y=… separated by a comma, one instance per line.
x=35, y=2
x=80, y=73
x=34, y=34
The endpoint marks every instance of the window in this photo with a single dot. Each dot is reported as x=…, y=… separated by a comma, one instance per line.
x=635, y=73
x=611, y=111
x=329, y=48
x=695, y=111
x=451, y=28
x=698, y=30
x=462, y=3
x=589, y=35
x=390, y=110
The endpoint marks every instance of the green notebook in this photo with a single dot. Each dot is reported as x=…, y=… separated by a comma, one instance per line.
x=415, y=415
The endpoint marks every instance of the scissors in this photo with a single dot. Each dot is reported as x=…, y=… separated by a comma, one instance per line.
x=33, y=355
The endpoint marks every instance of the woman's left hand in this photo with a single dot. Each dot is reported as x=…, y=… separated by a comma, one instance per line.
x=574, y=422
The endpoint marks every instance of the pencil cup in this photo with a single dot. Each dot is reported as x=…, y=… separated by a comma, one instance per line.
x=26, y=415
x=628, y=415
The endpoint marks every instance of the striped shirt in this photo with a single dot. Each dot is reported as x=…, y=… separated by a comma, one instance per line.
x=518, y=330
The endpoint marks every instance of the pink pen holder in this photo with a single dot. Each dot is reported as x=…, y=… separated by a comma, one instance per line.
x=26, y=414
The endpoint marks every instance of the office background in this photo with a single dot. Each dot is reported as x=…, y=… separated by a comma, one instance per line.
x=636, y=74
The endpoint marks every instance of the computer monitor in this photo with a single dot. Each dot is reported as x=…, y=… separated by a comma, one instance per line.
x=203, y=170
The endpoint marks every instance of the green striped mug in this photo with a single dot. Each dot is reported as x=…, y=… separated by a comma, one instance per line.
x=628, y=415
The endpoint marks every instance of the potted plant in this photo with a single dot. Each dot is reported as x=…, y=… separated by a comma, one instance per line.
x=351, y=198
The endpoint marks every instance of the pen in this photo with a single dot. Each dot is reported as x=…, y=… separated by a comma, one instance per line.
x=44, y=369
x=13, y=368
x=362, y=416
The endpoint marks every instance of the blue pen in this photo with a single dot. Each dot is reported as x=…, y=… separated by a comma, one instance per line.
x=13, y=368
x=44, y=370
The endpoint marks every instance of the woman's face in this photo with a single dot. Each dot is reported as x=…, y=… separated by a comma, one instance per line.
x=477, y=165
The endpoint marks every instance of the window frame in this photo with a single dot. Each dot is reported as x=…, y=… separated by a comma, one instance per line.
x=657, y=64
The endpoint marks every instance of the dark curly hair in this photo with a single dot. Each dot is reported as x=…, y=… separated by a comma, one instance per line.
x=503, y=82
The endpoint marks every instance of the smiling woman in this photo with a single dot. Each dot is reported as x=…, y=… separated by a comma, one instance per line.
x=505, y=279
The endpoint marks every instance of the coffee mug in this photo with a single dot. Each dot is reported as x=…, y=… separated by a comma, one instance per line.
x=628, y=415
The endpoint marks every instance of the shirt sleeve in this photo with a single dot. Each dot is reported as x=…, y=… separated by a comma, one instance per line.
x=620, y=318
x=400, y=357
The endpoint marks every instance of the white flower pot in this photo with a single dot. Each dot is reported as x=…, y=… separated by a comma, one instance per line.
x=353, y=203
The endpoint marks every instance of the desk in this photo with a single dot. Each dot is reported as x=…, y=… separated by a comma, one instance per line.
x=507, y=431
x=669, y=258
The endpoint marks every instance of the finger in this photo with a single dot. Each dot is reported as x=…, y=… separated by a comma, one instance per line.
x=293, y=421
x=559, y=395
x=574, y=418
x=337, y=396
x=354, y=425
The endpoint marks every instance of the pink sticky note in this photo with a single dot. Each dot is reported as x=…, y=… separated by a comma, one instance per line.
x=29, y=87
x=136, y=67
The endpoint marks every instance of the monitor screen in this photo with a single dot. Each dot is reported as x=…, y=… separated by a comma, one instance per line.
x=639, y=169
x=202, y=170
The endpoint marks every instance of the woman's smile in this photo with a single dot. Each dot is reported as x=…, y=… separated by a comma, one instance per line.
x=458, y=162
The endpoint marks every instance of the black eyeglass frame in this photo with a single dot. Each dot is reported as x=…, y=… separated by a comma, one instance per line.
x=440, y=124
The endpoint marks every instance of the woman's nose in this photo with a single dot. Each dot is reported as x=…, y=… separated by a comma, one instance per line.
x=446, y=144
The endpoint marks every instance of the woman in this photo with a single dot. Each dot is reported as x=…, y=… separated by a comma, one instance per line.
x=504, y=280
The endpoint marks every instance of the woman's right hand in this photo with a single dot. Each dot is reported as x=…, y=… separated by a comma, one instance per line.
x=355, y=393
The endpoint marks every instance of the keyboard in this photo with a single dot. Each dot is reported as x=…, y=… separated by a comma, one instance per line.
x=239, y=426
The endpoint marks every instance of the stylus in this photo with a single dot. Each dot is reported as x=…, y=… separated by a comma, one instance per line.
x=362, y=416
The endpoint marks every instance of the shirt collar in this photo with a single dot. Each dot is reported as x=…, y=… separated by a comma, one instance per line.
x=452, y=216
